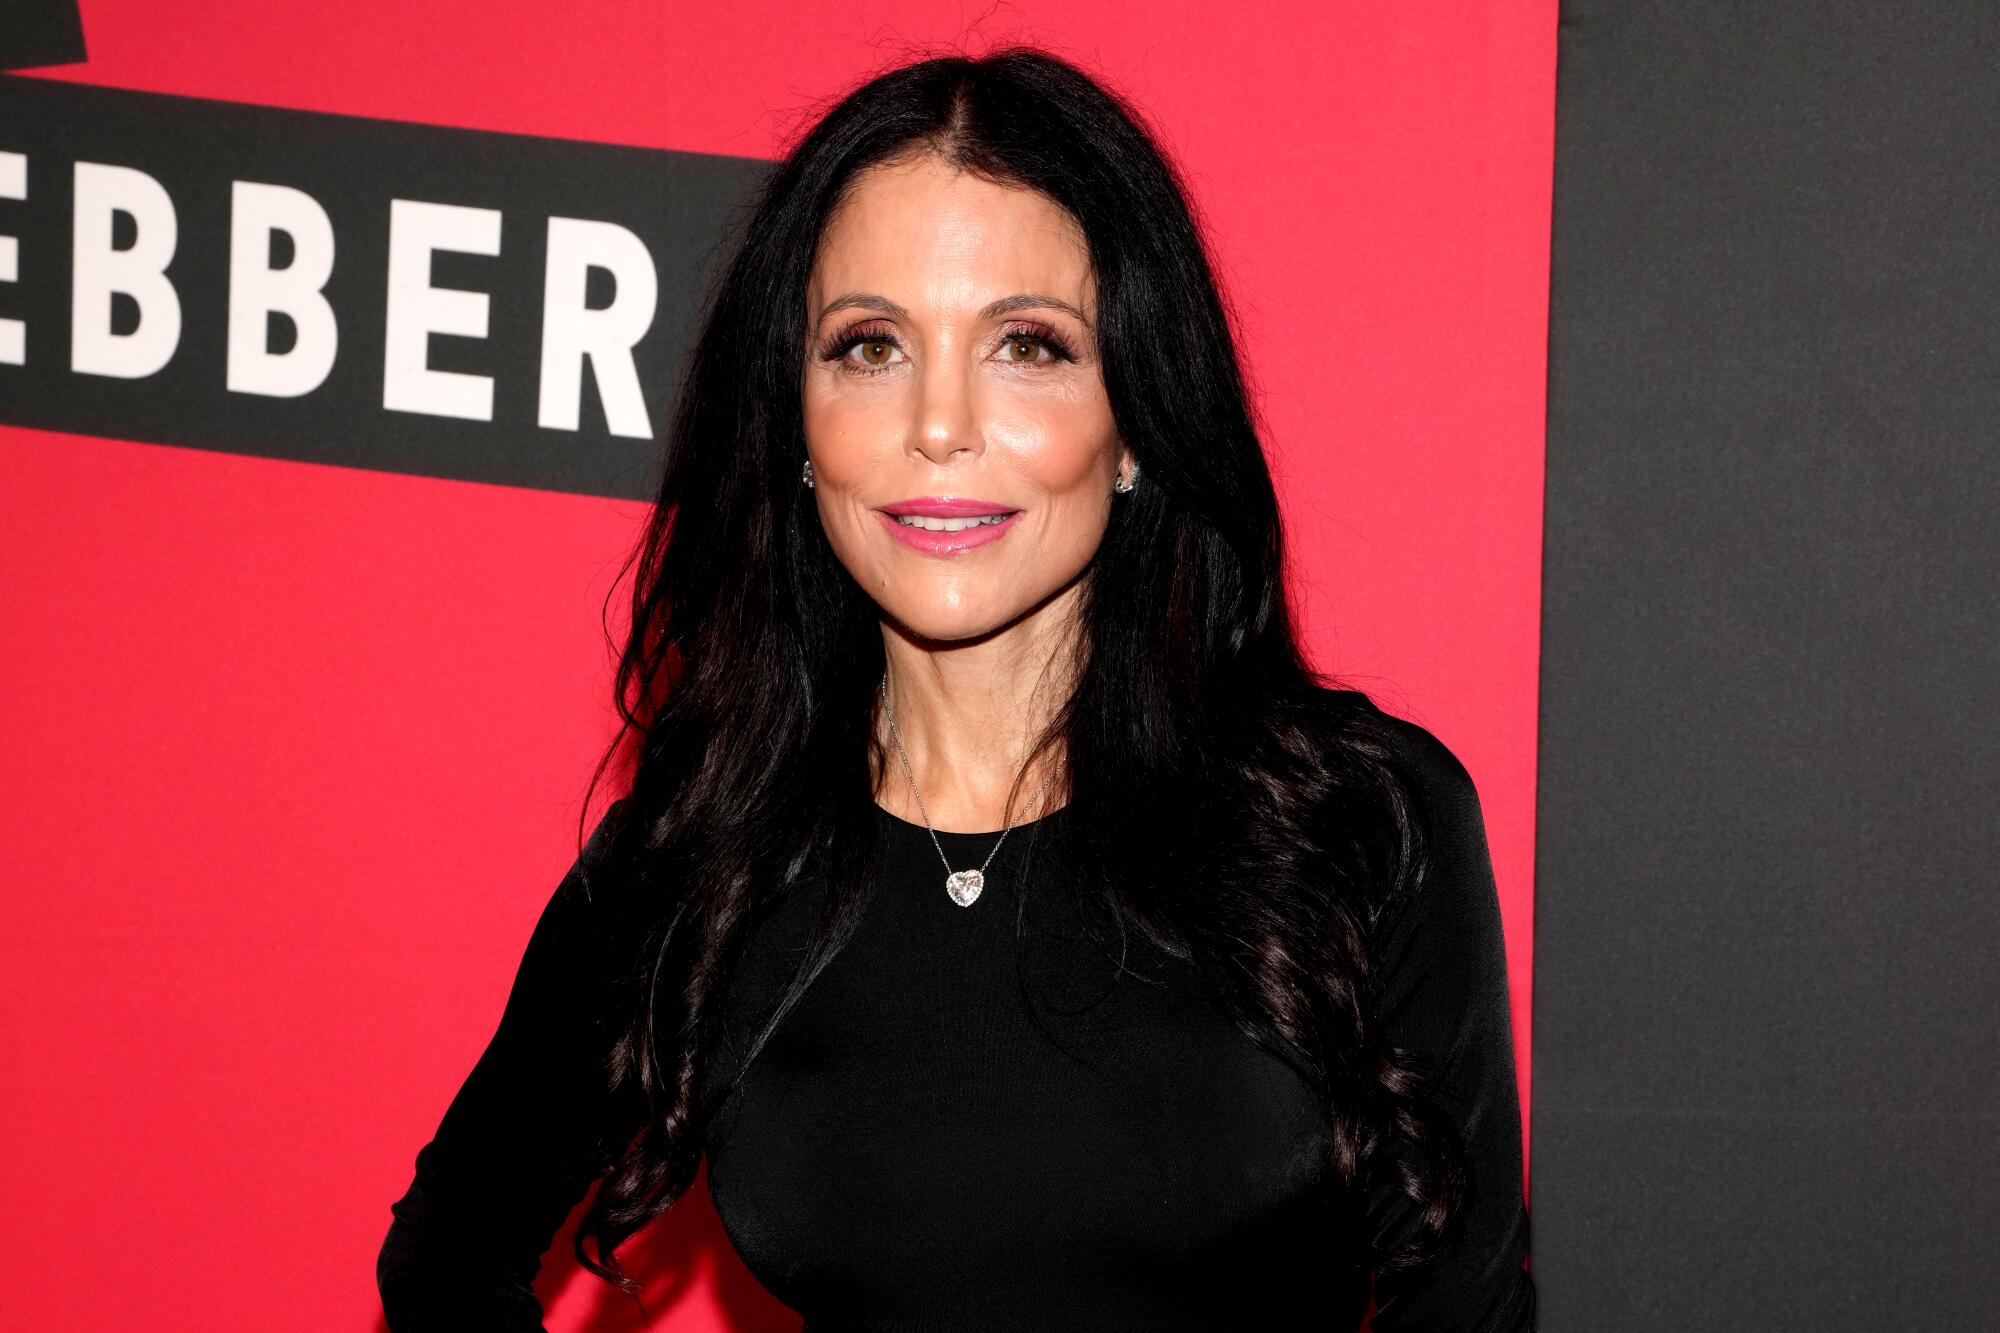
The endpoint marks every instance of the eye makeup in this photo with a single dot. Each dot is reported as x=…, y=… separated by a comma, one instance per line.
x=847, y=338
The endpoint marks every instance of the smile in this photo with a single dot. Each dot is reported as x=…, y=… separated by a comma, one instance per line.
x=929, y=524
x=947, y=536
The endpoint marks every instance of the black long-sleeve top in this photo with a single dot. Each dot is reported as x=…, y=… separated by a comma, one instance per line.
x=974, y=1119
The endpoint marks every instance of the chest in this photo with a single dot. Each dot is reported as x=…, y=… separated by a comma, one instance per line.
x=976, y=1106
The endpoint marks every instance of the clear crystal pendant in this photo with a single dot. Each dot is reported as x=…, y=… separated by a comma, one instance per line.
x=964, y=886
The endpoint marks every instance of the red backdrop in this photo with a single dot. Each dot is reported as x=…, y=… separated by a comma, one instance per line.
x=278, y=730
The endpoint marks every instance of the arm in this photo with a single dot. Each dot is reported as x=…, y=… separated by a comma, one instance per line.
x=1440, y=990
x=514, y=1151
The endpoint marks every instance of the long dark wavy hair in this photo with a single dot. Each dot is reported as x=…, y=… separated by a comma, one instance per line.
x=1236, y=808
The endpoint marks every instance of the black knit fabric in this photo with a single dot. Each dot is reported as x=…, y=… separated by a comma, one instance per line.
x=980, y=1118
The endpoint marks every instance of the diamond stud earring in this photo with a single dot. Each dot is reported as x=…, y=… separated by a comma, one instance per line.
x=809, y=472
x=1124, y=484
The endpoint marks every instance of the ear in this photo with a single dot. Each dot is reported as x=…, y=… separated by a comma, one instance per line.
x=1126, y=459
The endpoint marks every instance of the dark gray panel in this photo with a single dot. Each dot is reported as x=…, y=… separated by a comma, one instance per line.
x=1767, y=1040
x=1782, y=1222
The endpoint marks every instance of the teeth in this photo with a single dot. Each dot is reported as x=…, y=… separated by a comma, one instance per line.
x=947, y=524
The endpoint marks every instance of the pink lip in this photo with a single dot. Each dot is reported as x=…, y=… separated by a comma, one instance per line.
x=942, y=506
x=948, y=543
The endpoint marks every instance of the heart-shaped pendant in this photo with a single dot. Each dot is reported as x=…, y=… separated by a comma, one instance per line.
x=964, y=886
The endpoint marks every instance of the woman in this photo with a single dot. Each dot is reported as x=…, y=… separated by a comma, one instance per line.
x=1021, y=933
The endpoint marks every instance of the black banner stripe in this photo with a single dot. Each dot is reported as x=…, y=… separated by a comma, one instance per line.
x=509, y=348
x=36, y=33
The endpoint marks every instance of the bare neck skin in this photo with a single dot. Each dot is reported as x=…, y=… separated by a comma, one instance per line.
x=968, y=713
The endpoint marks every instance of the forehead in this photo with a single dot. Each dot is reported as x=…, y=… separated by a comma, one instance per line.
x=923, y=232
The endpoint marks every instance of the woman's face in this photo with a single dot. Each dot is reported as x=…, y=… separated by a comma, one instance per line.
x=952, y=364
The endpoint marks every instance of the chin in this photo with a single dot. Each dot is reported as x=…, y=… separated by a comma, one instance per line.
x=947, y=624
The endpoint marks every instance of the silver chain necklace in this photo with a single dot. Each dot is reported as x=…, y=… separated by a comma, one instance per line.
x=962, y=885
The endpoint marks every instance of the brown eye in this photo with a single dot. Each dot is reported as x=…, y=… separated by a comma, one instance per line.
x=1029, y=343
x=1035, y=339
x=877, y=349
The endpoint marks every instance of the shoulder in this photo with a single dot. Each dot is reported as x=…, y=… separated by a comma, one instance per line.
x=1432, y=773
x=1449, y=885
x=595, y=890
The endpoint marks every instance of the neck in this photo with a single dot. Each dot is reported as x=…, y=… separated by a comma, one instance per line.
x=967, y=713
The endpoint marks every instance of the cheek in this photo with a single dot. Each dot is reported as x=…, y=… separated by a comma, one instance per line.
x=844, y=437
x=1060, y=444
x=1067, y=468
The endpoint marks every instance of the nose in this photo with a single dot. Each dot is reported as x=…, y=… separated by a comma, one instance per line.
x=946, y=424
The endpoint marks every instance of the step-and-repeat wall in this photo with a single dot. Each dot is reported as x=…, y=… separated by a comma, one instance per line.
x=1629, y=379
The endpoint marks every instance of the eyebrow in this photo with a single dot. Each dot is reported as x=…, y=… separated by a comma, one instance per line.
x=1005, y=305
